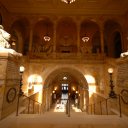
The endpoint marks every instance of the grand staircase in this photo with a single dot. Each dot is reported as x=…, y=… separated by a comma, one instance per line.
x=59, y=119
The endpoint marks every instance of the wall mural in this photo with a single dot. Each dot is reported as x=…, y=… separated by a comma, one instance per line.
x=40, y=46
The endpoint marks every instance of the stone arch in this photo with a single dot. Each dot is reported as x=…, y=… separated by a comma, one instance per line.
x=77, y=74
x=20, y=35
x=66, y=40
x=111, y=29
x=41, y=28
x=71, y=72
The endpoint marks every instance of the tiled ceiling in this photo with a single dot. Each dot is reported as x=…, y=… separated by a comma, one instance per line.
x=80, y=7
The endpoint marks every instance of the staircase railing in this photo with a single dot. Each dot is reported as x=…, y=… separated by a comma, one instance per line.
x=31, y=106
x=68, y=107
x=92, y=107
x=102, y=107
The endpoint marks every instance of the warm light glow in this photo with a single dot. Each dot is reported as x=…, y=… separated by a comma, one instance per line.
x=110, y=70
x=13, y=43
x=65, y=78
x=30, y=86
x=35, y=83
x=47, y=38
x=55, y=88
x=62, y=108
x=35, y=79
x=76, y=109
x=68, y=1
x=59, y=107
x=53, y=91
x=38, y=88
x=73, y=89
x=85, y=39
x=84, y=103
x=90, y=79
x=92, y=89
x=76, y=91
x=22, y=69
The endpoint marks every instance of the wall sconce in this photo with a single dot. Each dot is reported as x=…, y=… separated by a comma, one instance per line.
x=76, y=92
x=85, y=39
x=112, y=94
x=46, y=38
x=68, y=1
x=73, y=88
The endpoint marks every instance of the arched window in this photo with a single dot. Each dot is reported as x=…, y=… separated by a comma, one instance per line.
x=64, y=88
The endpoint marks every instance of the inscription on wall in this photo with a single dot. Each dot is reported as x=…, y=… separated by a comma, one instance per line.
x=122, y=74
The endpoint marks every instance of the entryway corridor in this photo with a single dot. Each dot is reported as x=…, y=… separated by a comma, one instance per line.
x=57, y=118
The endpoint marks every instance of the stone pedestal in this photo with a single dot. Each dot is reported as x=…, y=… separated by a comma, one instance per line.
x=9, y=82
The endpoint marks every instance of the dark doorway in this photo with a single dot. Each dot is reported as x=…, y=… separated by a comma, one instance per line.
x=117, y=45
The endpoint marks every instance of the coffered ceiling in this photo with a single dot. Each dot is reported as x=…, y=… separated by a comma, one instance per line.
x=79, y=7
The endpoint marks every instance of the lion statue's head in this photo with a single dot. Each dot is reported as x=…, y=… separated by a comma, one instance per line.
x=4, y=38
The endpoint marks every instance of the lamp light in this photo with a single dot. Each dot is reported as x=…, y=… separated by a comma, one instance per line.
x=112, y=94
x=21, y=70
x=47, y=38
x=85, y=39
x=110, y=70
x=68, y=1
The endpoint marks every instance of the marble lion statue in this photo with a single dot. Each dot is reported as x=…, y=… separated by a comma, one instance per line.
x=124, y=54
x=4, y=38
x=4, y=44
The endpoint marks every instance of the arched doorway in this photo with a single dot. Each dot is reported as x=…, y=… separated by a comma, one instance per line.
x=117, y=44
x=112, y=38
x=63, y=84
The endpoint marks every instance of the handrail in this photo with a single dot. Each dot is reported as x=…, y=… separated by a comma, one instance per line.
x=34, y=101
x=100, y=106
x=30, y=99
x=120, y=96
x=123, y=92
x=68, y=107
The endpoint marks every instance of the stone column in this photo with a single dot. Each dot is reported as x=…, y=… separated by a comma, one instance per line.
x=44, y=100
x=102, y=38
x=30, y=38
x=54, y=37
x=47, y=101
x=78, y=37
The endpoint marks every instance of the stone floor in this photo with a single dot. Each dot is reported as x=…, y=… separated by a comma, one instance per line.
x=60, y=119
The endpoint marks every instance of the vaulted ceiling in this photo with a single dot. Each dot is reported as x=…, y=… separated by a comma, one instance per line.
x=79, y=7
